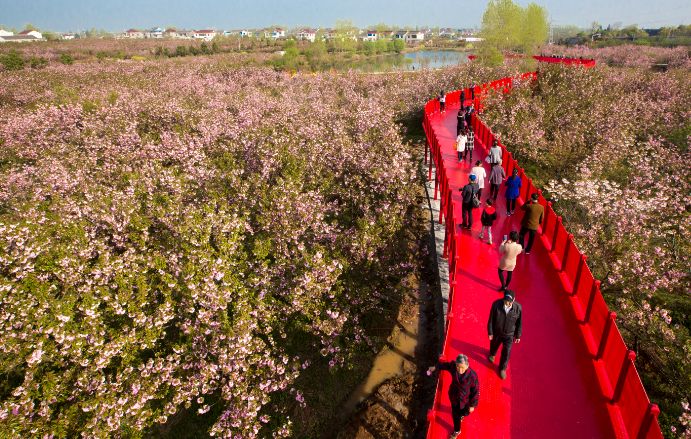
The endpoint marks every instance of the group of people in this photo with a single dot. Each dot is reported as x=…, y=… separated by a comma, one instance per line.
x=504, y=325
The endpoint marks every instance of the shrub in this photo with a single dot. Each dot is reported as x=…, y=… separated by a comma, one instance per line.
x=12, y=61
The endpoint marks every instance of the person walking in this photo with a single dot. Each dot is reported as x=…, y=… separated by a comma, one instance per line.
x=504, y=328
x=460, y=121
x=489, y=214
x=494, y=153
x=531, y=221
x=496, y=178
x=470, y=144
x=478, y=171
x=464, y=390
x=469, y=115
x=470, y=201
x=513, y=189
x=461, y=142
x=509, y=251
x=442, y=101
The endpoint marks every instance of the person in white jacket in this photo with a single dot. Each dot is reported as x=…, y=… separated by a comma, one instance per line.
x=479, y=172
x=494, y=153
x=460, y=144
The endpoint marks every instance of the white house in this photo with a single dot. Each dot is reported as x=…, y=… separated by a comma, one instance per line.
x=68, y=36
x=307, y=34
x=33, y=33
x=204, y=34
x=19, y=39
x=277, y=33
x=400, y=35
x=184, y=34
x=156, y=32
x=4, y=33
x=133, y=33
x=447, y=32
x=371, y=35
x=471, y=39
x=245, y=33
x=414, y=37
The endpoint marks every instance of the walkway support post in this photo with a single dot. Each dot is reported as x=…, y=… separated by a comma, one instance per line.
x=569, y=240
x=628, y=362
x=605, y=334
x=579, y=274
x=594, y=291
x=557, y=226
x=649, y=419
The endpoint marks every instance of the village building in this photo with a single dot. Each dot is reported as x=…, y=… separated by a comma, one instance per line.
x=307, y=35
x=371, y=35
x=204, y=34
x=133, y=33
x=414, y=37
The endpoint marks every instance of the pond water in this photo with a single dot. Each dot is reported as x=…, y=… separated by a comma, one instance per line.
x=434, y=59
x=422, y=59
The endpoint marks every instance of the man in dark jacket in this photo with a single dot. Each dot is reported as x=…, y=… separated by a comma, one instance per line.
x=464, y=390
x=531, y=221
x=504, y=328
x=468, y=192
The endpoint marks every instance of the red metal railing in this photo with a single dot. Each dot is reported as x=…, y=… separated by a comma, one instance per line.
x=613, y=361
x=553, y=60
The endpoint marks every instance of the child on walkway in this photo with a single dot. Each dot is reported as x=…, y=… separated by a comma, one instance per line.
x=487, y=219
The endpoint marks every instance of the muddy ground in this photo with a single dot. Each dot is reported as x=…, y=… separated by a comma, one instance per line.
x=398, y=407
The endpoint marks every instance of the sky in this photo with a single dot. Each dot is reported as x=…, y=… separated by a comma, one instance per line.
x=119, y=15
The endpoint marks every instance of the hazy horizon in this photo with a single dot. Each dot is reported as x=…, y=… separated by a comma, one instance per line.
x=117, y=16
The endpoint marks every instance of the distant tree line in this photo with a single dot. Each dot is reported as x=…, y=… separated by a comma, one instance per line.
x=613, y=35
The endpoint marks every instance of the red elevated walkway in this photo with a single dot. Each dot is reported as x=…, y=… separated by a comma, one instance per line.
x=572, y=375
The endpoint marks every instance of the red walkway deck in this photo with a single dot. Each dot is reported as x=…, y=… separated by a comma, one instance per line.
x=555, y=388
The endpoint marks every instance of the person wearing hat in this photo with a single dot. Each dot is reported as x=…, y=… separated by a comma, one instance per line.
x=469, y=193
x=464, y=390
x=531, y=221
x=504, y=328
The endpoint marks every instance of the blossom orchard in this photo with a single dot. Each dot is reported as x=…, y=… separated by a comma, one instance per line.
x=168, y=231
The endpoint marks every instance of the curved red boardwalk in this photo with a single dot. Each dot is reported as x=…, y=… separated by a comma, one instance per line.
x=571, y=376
x=551, y=389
